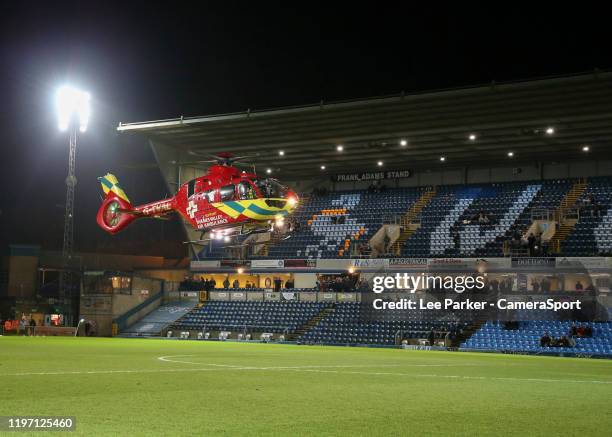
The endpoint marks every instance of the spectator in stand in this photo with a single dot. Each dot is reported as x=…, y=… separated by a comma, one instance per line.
x=432, y=337
x=573, y=330
x=483, y=219
x=362, y=285
x=277, y=284
x=456, y=237
x=386, y=241
x=589, y=204
x=538, y=243
x=563, y=342
x=579, y=286
x=531, y=242
x=535, y=285
x=494, y=285
x=545, y=340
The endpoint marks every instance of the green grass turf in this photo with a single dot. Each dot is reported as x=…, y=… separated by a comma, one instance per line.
x=120, y=387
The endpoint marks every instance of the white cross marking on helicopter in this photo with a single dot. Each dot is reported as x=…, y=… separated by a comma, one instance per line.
x=192, y=209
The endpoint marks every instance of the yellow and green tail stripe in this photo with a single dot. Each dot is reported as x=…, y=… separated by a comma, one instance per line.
x=255, y=209
x=110, y=183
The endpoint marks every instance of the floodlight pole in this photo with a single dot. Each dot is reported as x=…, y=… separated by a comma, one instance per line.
x=67, y=247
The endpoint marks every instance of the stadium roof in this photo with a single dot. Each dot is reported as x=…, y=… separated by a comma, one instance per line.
x=509, y=117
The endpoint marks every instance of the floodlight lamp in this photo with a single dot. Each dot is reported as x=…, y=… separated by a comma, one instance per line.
x=71, y=102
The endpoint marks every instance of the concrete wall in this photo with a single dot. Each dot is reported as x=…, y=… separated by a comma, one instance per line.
x=168, y=275
x=122, y=309
x=22, y=276
x=99, y=308
x=305, y=280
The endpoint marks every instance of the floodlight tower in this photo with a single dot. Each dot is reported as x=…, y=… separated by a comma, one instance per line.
x=73, y=109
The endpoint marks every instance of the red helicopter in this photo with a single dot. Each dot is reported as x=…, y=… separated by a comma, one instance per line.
x=226, y=201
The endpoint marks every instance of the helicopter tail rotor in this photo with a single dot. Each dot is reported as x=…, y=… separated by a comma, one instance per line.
x=116, y=211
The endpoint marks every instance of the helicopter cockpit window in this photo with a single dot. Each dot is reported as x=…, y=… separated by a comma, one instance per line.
x=246, y=191
x=227, y=192
x=191, y=188
x=209, y=195
x=270, y=188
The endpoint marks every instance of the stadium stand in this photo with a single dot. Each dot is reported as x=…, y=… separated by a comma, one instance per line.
x=592, y=234
x=276, y=317
x=493, y=336
x=345, y=324
x=331, y=224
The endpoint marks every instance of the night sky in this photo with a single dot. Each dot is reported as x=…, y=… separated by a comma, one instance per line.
x=144, y=61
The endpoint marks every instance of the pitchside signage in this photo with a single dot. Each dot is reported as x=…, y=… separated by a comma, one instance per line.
x=533, y=262
x=408, y=263
x=372, y=176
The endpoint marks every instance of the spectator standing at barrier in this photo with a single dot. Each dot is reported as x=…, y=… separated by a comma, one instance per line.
x=432, y=337
x=32, y=326
x=226, y=282
x=22, y=325
x=531, y=242
x=545, y=340
x=579, y=286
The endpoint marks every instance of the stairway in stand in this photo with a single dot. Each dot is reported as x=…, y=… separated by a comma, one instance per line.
x=566, y=225
x=311, y=323
x=409, y=217
x=275, y=237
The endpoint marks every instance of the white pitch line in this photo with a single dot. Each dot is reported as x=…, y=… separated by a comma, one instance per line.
x=295, y=369
x=169, y=359
x=494, y=378
x=318, y=369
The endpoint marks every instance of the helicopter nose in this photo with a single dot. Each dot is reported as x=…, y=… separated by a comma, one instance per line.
x=292, y=199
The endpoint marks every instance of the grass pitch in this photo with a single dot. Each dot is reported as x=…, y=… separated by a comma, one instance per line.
x=161, y=387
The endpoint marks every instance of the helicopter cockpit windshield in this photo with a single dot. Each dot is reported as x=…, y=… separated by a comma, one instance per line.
x=270, y=188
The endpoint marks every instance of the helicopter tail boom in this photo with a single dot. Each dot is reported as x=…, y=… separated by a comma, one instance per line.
x=116, y=211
